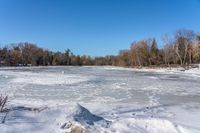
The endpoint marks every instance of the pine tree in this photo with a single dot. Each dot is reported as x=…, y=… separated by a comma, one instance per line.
x=154, y=52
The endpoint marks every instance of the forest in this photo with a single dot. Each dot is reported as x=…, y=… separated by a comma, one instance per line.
x=182, y=48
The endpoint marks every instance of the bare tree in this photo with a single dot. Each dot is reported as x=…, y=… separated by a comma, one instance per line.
x=196, y=50
x=140, y=53
x=183, y=39
x=168, y=49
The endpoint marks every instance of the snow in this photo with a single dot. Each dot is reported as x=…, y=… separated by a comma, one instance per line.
x=100, y=99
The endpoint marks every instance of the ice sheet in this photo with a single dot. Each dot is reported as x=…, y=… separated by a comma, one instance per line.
x=126, y=100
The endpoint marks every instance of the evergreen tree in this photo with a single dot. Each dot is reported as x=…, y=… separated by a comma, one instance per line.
x=154, y=52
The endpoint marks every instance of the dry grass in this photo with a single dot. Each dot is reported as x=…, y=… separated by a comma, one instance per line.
x=3, y=101
x=77, y=129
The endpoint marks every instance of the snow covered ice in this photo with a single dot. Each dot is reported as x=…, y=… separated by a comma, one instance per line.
x=100, y=99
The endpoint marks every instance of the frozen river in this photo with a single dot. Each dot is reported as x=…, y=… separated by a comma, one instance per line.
x=131, y=100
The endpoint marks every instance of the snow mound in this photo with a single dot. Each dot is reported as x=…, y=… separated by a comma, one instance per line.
x=93, y=123
x=84, y=116
x=147, y=125
x=53, y=120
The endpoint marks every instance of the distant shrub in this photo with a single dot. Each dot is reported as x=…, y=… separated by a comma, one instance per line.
x=3, y=101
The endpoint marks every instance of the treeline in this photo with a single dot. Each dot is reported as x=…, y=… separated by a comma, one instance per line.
x=183, y=48
x=28, y=54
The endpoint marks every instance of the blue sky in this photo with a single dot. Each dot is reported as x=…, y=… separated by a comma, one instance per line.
x=94, y=27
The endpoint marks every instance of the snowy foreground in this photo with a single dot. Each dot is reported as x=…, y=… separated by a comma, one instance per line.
x=100, y=99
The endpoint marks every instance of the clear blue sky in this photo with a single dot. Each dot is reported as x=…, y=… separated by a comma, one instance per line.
x=94, y=27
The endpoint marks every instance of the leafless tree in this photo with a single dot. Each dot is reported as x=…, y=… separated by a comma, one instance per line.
x=183, y=39
x=168, y=49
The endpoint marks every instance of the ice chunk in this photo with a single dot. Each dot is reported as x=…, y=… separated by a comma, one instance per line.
x=83, y=115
